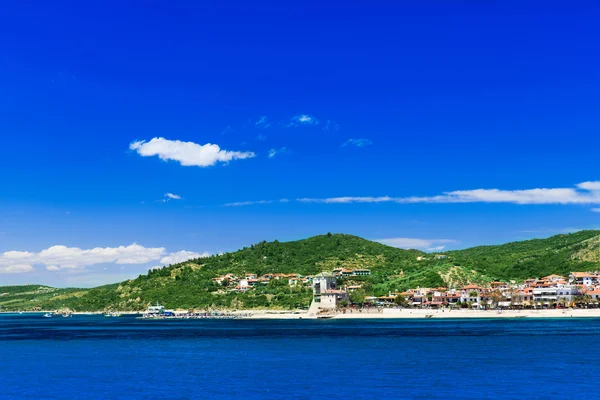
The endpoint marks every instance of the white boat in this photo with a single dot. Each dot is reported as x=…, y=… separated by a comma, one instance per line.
x=154, y=311
x=112, y=314
x=48, y=315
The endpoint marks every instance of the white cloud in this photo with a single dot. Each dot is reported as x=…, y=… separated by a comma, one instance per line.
x=16, y=255
x=302, y=120
x=187, y=153
x=172, y=196
x=182, y=256
x=357, y=142
x=415, y=243
x=16, y=268
x=584, y=193
x=63, y=257
x=262, y=122
x=274, y=152
x=333, y=200
x=592, y=186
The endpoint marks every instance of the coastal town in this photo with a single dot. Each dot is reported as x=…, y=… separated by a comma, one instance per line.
x=344, y=291
x=330, y=291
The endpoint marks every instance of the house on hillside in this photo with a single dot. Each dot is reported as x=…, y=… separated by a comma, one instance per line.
x=553, y=278
x=583, y=278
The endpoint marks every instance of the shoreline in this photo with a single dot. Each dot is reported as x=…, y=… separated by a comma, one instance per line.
x=390, y=313
x=386, y=313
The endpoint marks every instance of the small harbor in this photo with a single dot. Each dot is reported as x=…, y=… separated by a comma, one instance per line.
x=159, y=312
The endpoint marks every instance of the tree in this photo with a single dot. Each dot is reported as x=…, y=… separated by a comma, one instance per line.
x=357, y=296
x=401, y=301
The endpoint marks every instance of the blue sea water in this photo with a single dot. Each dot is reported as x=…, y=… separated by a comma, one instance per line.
x=92, y=357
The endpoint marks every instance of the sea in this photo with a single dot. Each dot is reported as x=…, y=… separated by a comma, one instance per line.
x=96, y=357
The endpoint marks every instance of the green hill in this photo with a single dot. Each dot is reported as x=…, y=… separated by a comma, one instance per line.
x=25, y=297
x=558, y=254
x=190, y=284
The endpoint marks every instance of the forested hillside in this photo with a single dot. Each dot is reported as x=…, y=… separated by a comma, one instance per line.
x=190, y=284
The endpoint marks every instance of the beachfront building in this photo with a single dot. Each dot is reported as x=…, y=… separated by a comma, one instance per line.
x=545, y=295
x=594, y=294
x=321, y=283
x=471, y=294
x=568, y=292
x=332, y=298
x=326, y=296
x=451, y=297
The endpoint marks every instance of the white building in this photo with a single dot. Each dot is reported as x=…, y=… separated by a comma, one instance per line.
x=583, y=278
x=471, y=294
x=323, y=281
x=555, y=294
x=325, y=295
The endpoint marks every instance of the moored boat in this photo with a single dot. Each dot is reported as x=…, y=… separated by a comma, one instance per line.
x=112, y=314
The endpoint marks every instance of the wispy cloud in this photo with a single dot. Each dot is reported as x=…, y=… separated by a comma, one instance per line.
x=274, y=152
x=342, y=200
x=583, y=193
x=187, y=153
x=357, y=142
x=251, y=203
x=302, y=120
x=172, y=196
x=262, y=122
x=415, y=243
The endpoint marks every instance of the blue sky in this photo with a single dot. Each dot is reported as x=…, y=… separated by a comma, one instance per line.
x=139, y=134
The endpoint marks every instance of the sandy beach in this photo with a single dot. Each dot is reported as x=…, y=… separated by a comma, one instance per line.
x=393, y=313
x=390, y=313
